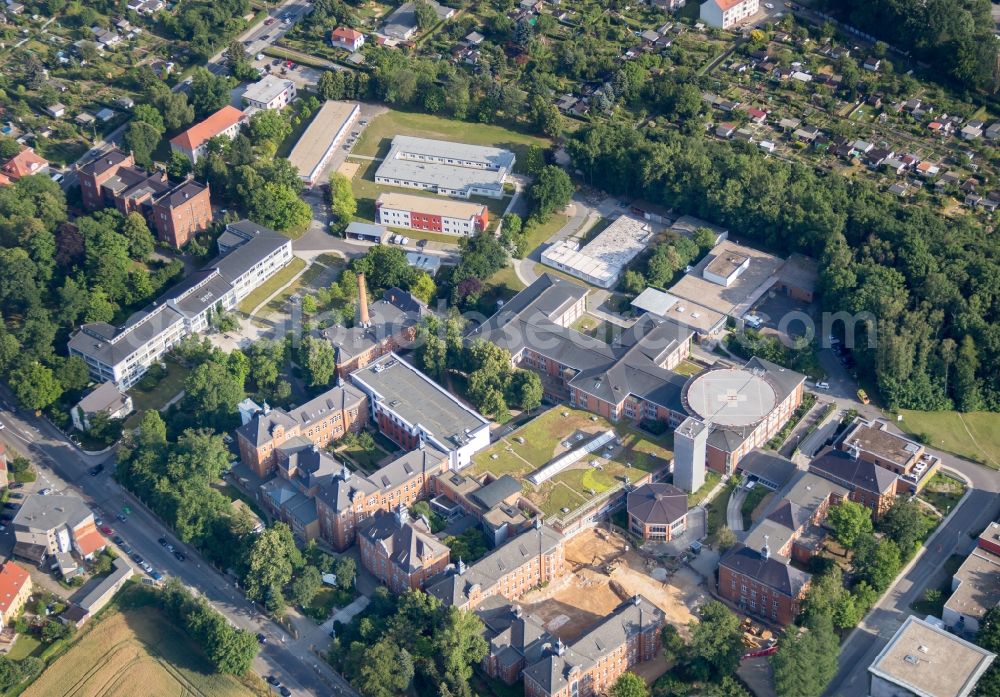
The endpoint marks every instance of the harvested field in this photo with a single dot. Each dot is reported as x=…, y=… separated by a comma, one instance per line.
x=602, y=575
x=137, y=652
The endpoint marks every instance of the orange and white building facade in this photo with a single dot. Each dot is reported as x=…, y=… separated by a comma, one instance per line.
x=725, y=14
x=15, y=589
x=193, y=142
x=431, y=214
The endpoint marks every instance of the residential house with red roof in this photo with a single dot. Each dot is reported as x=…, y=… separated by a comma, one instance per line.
x=347, y=39
x=192, y=142
x=23, y=164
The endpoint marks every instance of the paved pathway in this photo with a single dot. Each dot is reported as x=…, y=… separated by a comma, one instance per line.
x=734, y=510
x=579, y=212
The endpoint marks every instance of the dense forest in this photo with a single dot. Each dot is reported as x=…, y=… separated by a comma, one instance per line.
x=931, y=284
x=954, y=36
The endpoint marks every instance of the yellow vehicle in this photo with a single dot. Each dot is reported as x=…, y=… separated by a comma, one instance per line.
x=863, y=396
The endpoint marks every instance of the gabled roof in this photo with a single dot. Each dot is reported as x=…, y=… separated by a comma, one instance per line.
x=24, y=164
x=864, y=475
x=406, y=543
x=345, y=34
x=201, y=132
x=12, y=580
x=770, y=572
x=260, y=428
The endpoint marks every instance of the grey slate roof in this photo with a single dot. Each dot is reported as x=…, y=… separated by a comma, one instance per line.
x=406, y=542
x=337, y=495
x=452, y=588
x=630, y=618
x=657, y=504
x=770, y=572
x=121, y=570
x=43, y=513
x=768, y=466
x=106, y=397
x=261, y=427
x=496, y=491
x=864, y=475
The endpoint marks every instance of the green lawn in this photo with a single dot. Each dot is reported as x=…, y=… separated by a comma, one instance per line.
x=538, y=234
x=716, y=510
x=541, y=439
x=271, y=286
x=943, y=492
x=711, y=480
x=975, y=436
x=321, y=273
x=596, y=328
x=26, y=645
x=165, y=390
x=688, y=368
x=366, y=460
x=327, y=600
x=753, y=499
x=374, y=140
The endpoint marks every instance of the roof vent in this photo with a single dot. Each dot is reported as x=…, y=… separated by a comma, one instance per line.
x=923, y=649
x=912, y=660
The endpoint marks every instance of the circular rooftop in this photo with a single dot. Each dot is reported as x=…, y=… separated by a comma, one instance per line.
x=730, y=397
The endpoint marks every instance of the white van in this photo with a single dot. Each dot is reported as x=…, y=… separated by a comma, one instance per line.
x=754, y=321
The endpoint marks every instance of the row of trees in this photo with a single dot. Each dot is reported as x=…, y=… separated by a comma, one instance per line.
x=409, y=642
x=230, y=650
x=924, y=289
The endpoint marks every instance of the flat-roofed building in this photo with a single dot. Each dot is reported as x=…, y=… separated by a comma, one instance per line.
x=410, y=408
x=317, y=144
x=367, y=232
x=192, y=143
x=270, y=92
x=923, y=660
x=975, y=586
x=56, y=526
x=704, y=322
x=443, y=167
x=873, y=442
x=431, y=214
x=602, y=260
x=123, y=354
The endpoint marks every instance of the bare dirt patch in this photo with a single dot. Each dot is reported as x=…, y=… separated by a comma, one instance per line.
x=349, y=169
x=604, y=572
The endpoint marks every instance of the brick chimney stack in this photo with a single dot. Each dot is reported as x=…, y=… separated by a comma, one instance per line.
x=363, y=300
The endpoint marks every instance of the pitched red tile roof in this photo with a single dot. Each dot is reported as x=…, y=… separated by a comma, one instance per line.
x=345, y=35
x=728, y=4
x=90, y=541
x=198, y=134
x=12, y=580
x=23, y=164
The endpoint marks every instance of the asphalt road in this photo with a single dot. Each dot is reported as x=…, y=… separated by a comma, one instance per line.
x=65, y=469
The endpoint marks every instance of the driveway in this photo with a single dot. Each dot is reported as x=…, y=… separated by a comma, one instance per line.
x=734, y=510
x=579, y=212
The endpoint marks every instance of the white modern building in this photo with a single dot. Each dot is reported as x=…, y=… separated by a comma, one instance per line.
x=724, y=14
x=602, y=260
x=451, y=169
x=123, y=354
x=316, y=146
x=411, y=409
x=431, y=214
x=272, y=92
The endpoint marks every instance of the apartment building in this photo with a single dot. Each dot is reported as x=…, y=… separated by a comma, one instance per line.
x=176, y=211
x=122, y=354
x=871, y=441
x=431, y=215
x=351, y=498
x=193, y=142
x=15, y=590
x=55, y=528
x=320, y=421
x=400, y=551
x=534, y=557
x=411, y=409
x=270, y=92
x=451, y=169
x=725, y=14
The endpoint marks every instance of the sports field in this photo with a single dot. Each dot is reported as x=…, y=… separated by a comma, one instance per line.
x=561, y=429
x=137, y=652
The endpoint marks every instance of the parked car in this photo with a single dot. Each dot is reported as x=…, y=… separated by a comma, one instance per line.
x=96, y=470
x=16, y=495
x=127, y=549
x=11, y=504
x=156, y=575
x=268, y=22
x=162, y=541
x=137, y=558
x=863, y=396
x=261, y=638
x=822, y=385
x=17, y=485
x=122, y=517
x=107, y=530
x=179, y=555
x=284, y=691
x=118, y=540
x=272, y=680
x=45, y=492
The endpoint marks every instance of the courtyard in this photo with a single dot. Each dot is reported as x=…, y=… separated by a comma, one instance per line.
x=631, y=455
